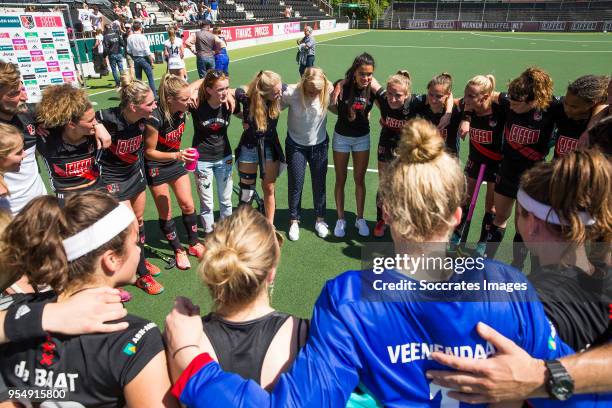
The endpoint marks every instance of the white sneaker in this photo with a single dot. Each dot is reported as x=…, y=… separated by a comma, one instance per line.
x=339, y=231
x=362, y=227
x=322, y=229
x=294, y=232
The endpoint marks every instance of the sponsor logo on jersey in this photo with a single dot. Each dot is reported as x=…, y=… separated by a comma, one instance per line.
x=481, y=136
x=129, y=145
x=492, y=123
x=154, y=172
x=79, y=167
x=113, y=188
x=359, y=104
x=31, y=129
x=129, y=349
x=175, y=136
x=22, y=311
x=565, y=145
x=393, y=123
x=523, y=135
x=140, y=333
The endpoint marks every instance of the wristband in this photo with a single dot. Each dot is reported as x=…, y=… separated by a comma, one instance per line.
x=24, y=322
x=183, y=348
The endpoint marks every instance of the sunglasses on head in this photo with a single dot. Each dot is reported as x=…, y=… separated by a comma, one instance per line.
x=215, y=73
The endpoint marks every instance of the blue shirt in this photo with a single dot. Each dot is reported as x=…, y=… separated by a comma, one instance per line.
x=384, y=340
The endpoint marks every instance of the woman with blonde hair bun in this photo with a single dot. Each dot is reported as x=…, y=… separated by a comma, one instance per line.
x=307, y=142
x=244, y=333
x=379, y=327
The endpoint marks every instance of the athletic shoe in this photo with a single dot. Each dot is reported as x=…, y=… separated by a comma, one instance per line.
x=197, y=250
x=379, y=229
x=480, y=249
x=362, y=227
x=340, y=228
x=149, y=285
x=125, y=295
x=182, y=260
x=322, y=229
x=294, y=232
x=152, y=269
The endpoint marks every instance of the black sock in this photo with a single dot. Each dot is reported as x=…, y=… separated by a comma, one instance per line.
x=494, y=238
x=169, y=229
x=191, y=225
x=142, y=269
x=379, y=213
x=519, y=252
x=487, y=220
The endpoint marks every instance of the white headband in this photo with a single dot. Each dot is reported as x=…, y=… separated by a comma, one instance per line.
x=98, y=234
x=546, y=213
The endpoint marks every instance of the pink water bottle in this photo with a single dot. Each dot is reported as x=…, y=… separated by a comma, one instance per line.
x=190, y=165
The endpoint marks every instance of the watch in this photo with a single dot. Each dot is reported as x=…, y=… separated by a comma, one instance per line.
x=560, y=385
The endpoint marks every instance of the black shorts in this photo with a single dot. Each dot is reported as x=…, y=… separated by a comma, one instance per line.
x=472, y=168
x=386, y=149
x=509, y=176
x=125, y=188
x=161, y=173
x=63, y=196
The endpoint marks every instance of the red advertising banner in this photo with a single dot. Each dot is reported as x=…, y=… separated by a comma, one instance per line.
x=247, y=32
x=524, y=26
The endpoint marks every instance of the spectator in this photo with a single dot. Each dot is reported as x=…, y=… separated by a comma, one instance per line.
x=214, y=10
x=98, y=54
x=96, y=18
x=221, y=56
x=204, y=13
x=113, y=43
x=307, y=50
x=138, y=47
x=287, y=12
x=202, y=44
x=85, y=19
x=127, y=11
x=179, y=15
x=117, y=9
x=144, y=14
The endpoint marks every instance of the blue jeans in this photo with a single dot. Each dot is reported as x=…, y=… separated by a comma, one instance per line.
x=222, y=172
x=141, y=63
x=309, y=63
x=116, y=60
x=204, y=64
x=297, y=157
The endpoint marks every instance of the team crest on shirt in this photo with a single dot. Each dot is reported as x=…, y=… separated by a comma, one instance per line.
x=537, y=115
x=31, y=129
x=113, y=188
x=359, y=104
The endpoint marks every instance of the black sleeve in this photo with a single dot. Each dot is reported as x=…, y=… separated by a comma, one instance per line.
x=131, y=350
x=381, y=95
x=156, y=120
x=504, y=101
x=556, y=108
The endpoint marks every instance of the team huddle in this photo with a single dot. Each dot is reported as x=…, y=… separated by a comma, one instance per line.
x=66, y=252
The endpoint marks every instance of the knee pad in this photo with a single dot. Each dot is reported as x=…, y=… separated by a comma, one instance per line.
x=247, y=191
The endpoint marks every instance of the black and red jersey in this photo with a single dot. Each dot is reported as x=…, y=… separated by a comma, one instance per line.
x=124, y=156
x=94, y=369
x=393, y=120
x=26, y=123
x=361, y=101
x=487, y=136
x=70, y=166
x=527, y=135
x=449, y=133
x=250, y=135
x=210, y=131
x=567, y=133
x=169, y=134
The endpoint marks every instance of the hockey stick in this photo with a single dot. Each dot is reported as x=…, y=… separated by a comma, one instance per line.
x=468, y=219
x=170, y=261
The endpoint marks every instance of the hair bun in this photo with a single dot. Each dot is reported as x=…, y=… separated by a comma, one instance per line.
x=420, y=142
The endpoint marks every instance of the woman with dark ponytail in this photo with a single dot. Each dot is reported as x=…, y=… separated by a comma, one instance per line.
x=91, y=242
x=352, y=134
